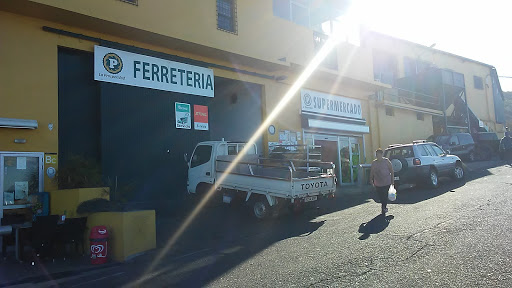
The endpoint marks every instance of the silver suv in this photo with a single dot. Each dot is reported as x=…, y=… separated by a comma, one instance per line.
x=422, y=161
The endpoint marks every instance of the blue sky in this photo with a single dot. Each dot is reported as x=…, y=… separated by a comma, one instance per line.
x=478, y=30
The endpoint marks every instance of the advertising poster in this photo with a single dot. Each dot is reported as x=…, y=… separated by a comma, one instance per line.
x=183, y=119
x=20, y=190
x=201, y=117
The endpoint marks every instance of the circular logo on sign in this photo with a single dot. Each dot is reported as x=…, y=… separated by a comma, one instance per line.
x=112, y=63
x=50, y=172
x=307, y=100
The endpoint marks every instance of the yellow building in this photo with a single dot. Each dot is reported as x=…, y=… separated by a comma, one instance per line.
x=427, y=85
x=128, y=83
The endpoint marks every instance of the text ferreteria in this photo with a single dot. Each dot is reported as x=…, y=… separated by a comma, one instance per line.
x=171, y=75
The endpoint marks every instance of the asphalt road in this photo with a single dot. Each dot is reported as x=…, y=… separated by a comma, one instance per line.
x=458, y=235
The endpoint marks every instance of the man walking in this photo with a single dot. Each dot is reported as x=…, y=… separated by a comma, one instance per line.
x=381, y=177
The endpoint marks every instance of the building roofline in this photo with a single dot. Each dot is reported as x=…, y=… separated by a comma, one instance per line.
x=426, y=47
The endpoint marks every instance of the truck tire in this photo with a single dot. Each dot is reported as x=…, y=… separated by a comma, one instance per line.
x=260, y=208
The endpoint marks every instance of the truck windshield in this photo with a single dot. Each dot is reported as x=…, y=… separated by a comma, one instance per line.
x=202, y=155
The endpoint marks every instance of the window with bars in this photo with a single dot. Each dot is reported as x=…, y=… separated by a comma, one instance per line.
x=226, y=16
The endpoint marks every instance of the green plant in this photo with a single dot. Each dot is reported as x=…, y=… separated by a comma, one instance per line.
x=79, y=172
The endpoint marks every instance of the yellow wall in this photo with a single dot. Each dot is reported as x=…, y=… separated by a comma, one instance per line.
x=67, y=200
x=29, y=79
x=404, y=127
x=130, y=233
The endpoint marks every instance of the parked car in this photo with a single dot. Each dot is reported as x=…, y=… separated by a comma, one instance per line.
x=460, y=144
x=487, y=144
x=422, y=161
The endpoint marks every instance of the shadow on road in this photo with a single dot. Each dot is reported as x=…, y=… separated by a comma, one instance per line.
x=378, y=224
x=222, y=238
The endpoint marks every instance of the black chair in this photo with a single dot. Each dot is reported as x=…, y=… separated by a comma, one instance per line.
x=71, y=232
x=43, y=235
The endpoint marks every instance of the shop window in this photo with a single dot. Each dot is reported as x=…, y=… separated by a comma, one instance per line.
x=420, y=116
x=226, y=16
x=390, y=111
x=479, y=83
x=202, y=155
x=134, y=2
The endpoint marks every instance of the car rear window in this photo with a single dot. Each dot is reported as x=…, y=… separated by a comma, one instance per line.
x=405, y=152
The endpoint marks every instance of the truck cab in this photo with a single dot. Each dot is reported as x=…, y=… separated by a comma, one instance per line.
x=202, y=162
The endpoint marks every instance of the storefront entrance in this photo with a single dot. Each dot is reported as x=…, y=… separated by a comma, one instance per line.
x=343, y=151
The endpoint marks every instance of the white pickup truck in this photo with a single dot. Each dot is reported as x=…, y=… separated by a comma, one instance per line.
x=265, y=184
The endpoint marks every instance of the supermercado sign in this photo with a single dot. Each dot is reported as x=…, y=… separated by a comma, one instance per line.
x=121, y=67
x=317, y=102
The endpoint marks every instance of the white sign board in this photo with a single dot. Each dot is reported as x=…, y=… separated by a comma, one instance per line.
x=322, y=103
x=183, y=119
x=121, y=67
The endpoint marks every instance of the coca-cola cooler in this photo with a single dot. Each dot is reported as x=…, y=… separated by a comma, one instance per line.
x=99, y=245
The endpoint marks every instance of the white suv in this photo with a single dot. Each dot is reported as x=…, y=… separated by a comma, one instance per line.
x=422, y=161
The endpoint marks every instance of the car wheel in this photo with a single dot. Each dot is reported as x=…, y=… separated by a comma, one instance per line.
x=433, y=180
x=458, y=172
x=471, y=156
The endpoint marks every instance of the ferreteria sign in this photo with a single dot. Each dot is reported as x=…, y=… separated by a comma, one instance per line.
x=322, y=103
x=121, y=67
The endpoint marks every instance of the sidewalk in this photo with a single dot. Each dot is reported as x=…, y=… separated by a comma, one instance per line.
x=13, y=272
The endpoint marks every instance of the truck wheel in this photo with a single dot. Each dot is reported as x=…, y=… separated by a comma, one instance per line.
x=261, y=209
x=433, y=180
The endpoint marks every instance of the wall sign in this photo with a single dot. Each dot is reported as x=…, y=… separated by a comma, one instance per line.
x=121, y=67
x=183, y=119
x=201, y=117
x=322, y=103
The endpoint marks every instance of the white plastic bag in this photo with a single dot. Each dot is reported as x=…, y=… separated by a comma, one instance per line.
x=392, y=193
